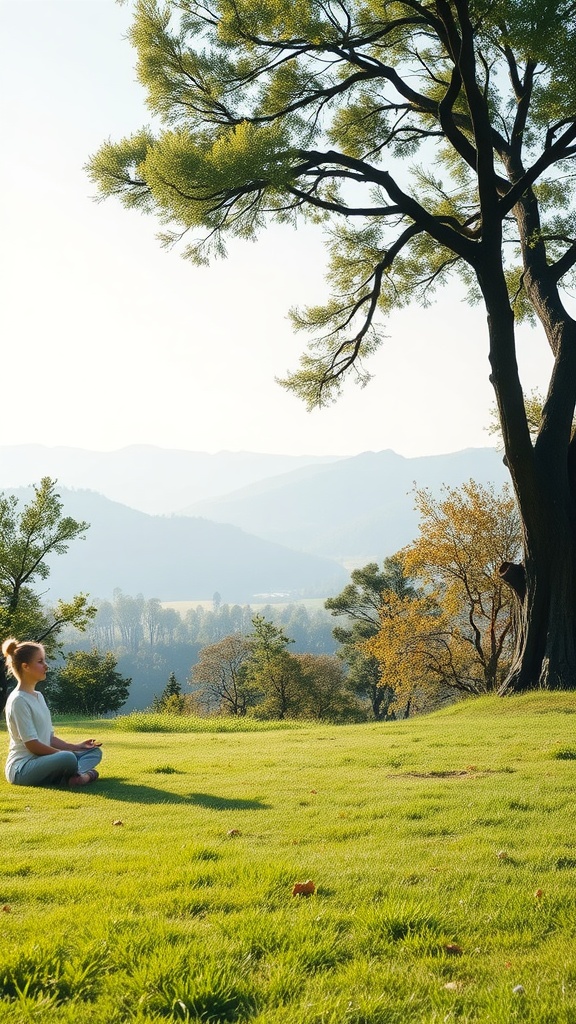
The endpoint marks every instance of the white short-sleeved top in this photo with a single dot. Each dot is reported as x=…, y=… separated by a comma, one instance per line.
x=27, y=718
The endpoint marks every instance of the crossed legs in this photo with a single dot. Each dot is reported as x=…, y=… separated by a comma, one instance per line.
x=41, y=771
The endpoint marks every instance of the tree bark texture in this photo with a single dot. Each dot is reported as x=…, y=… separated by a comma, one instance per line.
x=543, y=479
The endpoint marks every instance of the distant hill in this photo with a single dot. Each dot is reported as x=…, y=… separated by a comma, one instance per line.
x=282, y=533
x=177, y=558
x=354, y=510
x=154, y=480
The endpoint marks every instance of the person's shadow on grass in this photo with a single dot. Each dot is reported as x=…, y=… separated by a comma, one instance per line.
x=136, y=793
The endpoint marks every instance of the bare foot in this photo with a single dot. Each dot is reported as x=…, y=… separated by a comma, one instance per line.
x=83, y=778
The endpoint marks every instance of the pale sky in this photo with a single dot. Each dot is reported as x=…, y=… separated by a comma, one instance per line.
x=109, y=340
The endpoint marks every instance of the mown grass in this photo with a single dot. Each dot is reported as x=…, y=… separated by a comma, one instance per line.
x=443, y=850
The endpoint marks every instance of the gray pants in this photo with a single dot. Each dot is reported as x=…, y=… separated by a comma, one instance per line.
x=40, y=771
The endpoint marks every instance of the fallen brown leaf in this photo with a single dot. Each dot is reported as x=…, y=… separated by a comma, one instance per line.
x=304, y=888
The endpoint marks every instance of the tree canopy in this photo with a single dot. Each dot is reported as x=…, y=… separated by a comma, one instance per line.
x=372, y=595
x=28, y=537
x=88, y=684
x=464, y=538
x=221, y=677
x=431, y=139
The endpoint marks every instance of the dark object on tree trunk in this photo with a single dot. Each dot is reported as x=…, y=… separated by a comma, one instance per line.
x=515, y=576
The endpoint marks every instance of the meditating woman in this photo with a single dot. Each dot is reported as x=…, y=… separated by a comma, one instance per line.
x=36, y=756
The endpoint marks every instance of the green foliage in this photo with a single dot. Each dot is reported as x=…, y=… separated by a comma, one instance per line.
x=464, y=539
x=272, y=671
x=27, y=538
x=327, y=694
x=368, y=118
x=88, y=684
x=171, y=700
x=441, y=850
x=172, y=688
x=363, y=602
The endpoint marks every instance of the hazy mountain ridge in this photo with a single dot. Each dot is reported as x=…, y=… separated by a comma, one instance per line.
x=145, y=477
x=176, y=557
x=355, y=510
x=291, y=533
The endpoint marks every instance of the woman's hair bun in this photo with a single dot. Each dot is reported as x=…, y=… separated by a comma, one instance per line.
x=9, y=646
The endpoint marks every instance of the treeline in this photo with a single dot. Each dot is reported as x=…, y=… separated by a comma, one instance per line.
x=149, y=641
x=258, y=675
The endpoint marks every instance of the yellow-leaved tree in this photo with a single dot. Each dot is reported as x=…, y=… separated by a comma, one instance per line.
x=465, y=537
x=415, y=651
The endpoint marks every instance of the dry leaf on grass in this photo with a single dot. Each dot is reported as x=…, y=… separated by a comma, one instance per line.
x=304, y=888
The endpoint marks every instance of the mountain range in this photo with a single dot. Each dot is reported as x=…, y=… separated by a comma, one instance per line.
x=354, y=510
x=177, y=558
x=155, y=480
x=292, y=527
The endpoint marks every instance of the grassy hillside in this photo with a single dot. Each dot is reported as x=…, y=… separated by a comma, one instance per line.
x=442, y=849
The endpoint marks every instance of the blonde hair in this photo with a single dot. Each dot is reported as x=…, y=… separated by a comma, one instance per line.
x=17, y=654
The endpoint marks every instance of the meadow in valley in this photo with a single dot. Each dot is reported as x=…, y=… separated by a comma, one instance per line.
x=442, y=850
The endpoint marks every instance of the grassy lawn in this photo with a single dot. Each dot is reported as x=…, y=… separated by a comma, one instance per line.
x=443, y=851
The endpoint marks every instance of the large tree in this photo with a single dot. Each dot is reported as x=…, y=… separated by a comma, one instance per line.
x=278, y=109
x=29, y=537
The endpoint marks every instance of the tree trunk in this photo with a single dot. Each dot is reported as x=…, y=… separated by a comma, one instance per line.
x=545, y=655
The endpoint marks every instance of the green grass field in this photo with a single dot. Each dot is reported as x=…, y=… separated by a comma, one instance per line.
x=443, y=851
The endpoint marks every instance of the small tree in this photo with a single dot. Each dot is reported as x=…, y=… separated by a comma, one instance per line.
x=326, y=694
x=172, y=688
x=220, y=673
x=273, y=671
x=27, y=538
x=171, y=700
x=464, y=539
x=363, y=601
x=416, y=652
x=88, y=684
